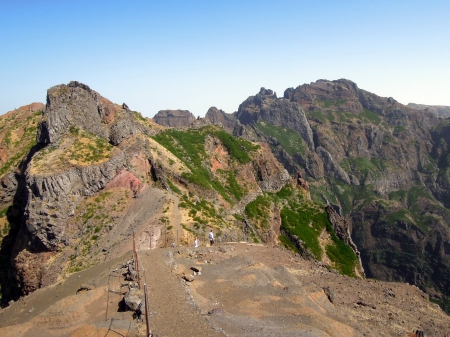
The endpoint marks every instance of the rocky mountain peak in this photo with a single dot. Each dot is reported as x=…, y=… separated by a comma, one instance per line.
x=77, y=105
x=216, y=116
x=267, y=92
x=69, y=105
x=174, y=118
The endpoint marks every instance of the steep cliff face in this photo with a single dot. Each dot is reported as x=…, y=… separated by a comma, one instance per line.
x=267, y=107
x=76, y=105
x=174, y=118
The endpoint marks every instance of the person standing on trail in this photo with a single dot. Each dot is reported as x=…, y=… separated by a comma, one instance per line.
x=211, y=237
x=196, y=242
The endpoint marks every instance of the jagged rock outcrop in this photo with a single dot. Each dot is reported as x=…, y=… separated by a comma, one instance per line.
x=48, y=193
x=271, y=174
x=122, y=129
x=299, y=181
x=174, y=118
x=77, y=105
x=279, y=111
x=8, y=188
x=69, y=105
x=216, y=116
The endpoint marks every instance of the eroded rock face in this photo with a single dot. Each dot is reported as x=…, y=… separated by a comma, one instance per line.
x=52, y=199
x=8, y=188
x=279, y=111
x=331, y=168
x=174, y=118
x=342, y=230
x=69, y=105
x=78, y=106
x=216, y=116
x=272, y=175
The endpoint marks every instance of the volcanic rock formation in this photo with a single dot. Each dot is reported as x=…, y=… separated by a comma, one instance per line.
x=174, y=118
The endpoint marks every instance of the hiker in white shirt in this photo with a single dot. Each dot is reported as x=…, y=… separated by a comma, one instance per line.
x=211, y=238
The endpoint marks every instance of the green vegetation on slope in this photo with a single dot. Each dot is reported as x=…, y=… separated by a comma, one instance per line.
x=189, y=147
x=304, y=219
x=371, y=116
x=258, y=210
x=19, y=138
x=203, y=212
x=291, y=140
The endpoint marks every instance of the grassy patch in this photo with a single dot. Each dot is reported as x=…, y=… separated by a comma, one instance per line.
x=233, y=187
x=290, y=139
x=138, y=116
x=173, y=187
x=19, y=138
x=399, y=128
x=189, y=147
x=398, y=216
x=257, y=211
x=414, y=193
x=287, y=243
x=400, y=195
x=203, y=210
x=306, y=222
x=238, y=148
x=318, y=115
x=364, y=166
x=371, y=116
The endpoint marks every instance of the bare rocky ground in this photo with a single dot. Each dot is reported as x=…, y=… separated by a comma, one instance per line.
x=242, y=290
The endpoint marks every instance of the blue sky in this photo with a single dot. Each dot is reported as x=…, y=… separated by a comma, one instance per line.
x=192, y=55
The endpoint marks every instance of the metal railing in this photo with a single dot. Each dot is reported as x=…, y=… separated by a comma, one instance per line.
x=139, y=267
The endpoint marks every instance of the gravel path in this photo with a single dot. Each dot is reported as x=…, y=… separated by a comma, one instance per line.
x=172, y=311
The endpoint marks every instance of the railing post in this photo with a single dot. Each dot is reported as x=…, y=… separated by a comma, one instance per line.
x=136, y=261
x=147, y=319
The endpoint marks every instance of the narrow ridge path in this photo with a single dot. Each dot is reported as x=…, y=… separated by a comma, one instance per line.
x=171, y=312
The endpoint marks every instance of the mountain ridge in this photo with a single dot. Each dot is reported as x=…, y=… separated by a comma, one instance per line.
x=330, y=171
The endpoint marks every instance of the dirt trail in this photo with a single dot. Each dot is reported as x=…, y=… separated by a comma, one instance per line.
x=59, y=311
x=243, y=290
x=142, y=217
x=175, y=216
x=172, y=311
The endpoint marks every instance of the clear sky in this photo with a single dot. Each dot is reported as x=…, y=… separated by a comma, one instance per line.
x=192, y=55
